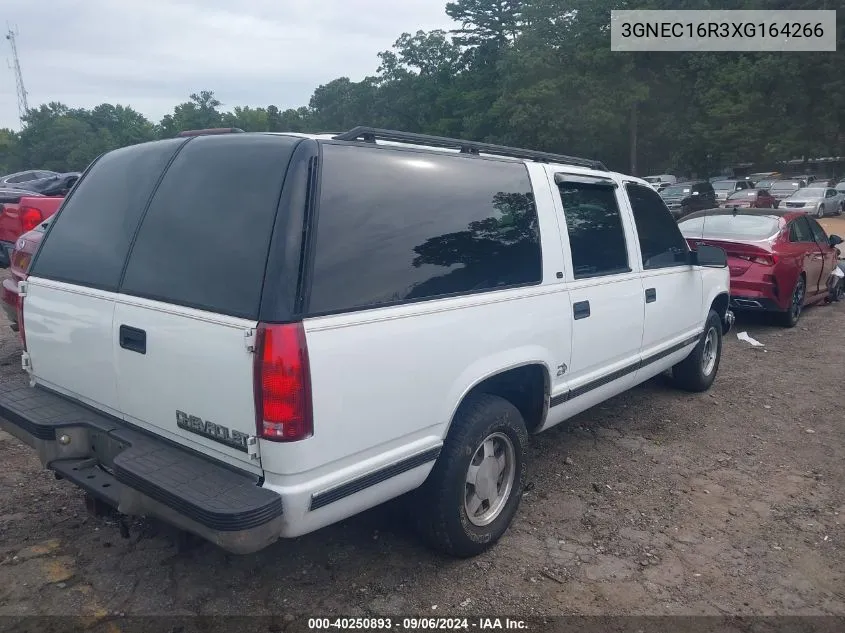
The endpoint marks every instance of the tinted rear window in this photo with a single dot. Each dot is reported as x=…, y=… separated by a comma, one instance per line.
x=721, y=185
x=399, y=226
x=741, y=227
x=204, y=240
x=88, y=242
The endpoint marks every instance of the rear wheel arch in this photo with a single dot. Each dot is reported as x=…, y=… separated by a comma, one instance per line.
x=526, y=386
x=720, y=304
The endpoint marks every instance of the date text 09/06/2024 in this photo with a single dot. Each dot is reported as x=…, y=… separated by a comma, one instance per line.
x=416, y=624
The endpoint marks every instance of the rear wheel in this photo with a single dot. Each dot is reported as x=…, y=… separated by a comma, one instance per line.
x=839, y=290
x=840, y=209
x=474, y=489
x=820, y=211
x=796, y=305
x=698, y=370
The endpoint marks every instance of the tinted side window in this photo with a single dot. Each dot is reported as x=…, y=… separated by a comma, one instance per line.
x=88, y=242
x=594, y=224
x=205, y=238
x=398, y=226
x=799, y=231
x=818, y=232
x=661, y=242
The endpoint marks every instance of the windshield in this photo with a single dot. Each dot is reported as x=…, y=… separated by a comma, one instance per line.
x=808, y=193
x=764, y=184
x=676, y=190
x=745, y=193
x=722, y=185
x=730, y=227
x=785, y=185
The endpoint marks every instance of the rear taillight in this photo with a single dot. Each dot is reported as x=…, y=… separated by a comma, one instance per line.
x=765, y=260
x=282, y=383
x=30, y=218
x=21, y=329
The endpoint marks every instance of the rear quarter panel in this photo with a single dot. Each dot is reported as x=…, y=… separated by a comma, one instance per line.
x=388, y=381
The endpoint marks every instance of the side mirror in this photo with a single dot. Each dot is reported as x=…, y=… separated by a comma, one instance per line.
x=835, y=240
x=711, y=256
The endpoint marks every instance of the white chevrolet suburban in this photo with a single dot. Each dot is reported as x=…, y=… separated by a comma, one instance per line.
x=252, y=336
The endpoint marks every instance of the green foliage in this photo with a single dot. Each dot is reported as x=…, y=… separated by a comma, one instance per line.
x=532, y=73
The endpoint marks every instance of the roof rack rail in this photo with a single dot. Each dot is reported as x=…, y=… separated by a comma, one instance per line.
x=371, y=135
x=211, y=130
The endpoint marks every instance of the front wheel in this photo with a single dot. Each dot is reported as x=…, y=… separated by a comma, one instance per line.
x=820, y=211
x=473, y=492
x=698, y=370
x=840, y=209
x=839, y=291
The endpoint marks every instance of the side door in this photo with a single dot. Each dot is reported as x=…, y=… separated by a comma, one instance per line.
x=672, y=286
x=606, y=292
x=806, y=253
x=830, y=255
x=704, y=196
x=831, y=201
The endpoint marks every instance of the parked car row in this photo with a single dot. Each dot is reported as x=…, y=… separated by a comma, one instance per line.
x=810, y=194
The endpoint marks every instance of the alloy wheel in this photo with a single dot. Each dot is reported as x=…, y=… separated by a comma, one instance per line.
x=490, y=479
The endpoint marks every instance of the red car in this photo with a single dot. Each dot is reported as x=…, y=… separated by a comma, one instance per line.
x=16, y=218
x=780, y=261
x=751, y=199
x=22, y=254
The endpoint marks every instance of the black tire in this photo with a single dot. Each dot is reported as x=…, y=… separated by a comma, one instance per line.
x=839, y=291
x=820, y=211
x=796, y=304
x=693, y=373
x=439, y=506
x=840, y=209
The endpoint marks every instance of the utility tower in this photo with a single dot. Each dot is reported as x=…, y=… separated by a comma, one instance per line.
x=15, y=65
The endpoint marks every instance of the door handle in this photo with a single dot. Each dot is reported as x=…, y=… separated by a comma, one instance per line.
x=133, y=339
x=581, y=310
x=650, y=295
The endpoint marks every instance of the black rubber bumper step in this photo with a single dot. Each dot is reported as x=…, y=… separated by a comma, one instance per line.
x=215, y=496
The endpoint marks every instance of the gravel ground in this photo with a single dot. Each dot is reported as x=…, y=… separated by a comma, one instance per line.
x=657, y=502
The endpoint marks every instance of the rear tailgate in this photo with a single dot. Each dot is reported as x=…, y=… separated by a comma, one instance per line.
x=191, y=295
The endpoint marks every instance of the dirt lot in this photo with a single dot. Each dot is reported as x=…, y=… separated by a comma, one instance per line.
x=729, y=502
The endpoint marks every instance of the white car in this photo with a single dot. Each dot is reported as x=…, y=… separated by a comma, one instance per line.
x=661, y=181
x=354, y=319
x=819, y=201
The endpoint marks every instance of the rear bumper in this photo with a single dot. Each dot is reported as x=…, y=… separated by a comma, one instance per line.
x=139, y=474
x=756, y=303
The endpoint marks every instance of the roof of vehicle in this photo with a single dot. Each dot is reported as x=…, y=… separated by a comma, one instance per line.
x=370, y=137
x=786, y=214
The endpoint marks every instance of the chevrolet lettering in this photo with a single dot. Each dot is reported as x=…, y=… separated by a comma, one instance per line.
x=212, y=431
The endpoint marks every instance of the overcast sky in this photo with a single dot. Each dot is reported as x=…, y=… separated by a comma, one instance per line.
x=152, y=54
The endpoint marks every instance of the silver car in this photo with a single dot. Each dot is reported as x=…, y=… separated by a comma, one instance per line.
x=820, y=201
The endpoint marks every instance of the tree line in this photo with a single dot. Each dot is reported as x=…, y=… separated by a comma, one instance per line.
x=531, y=73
